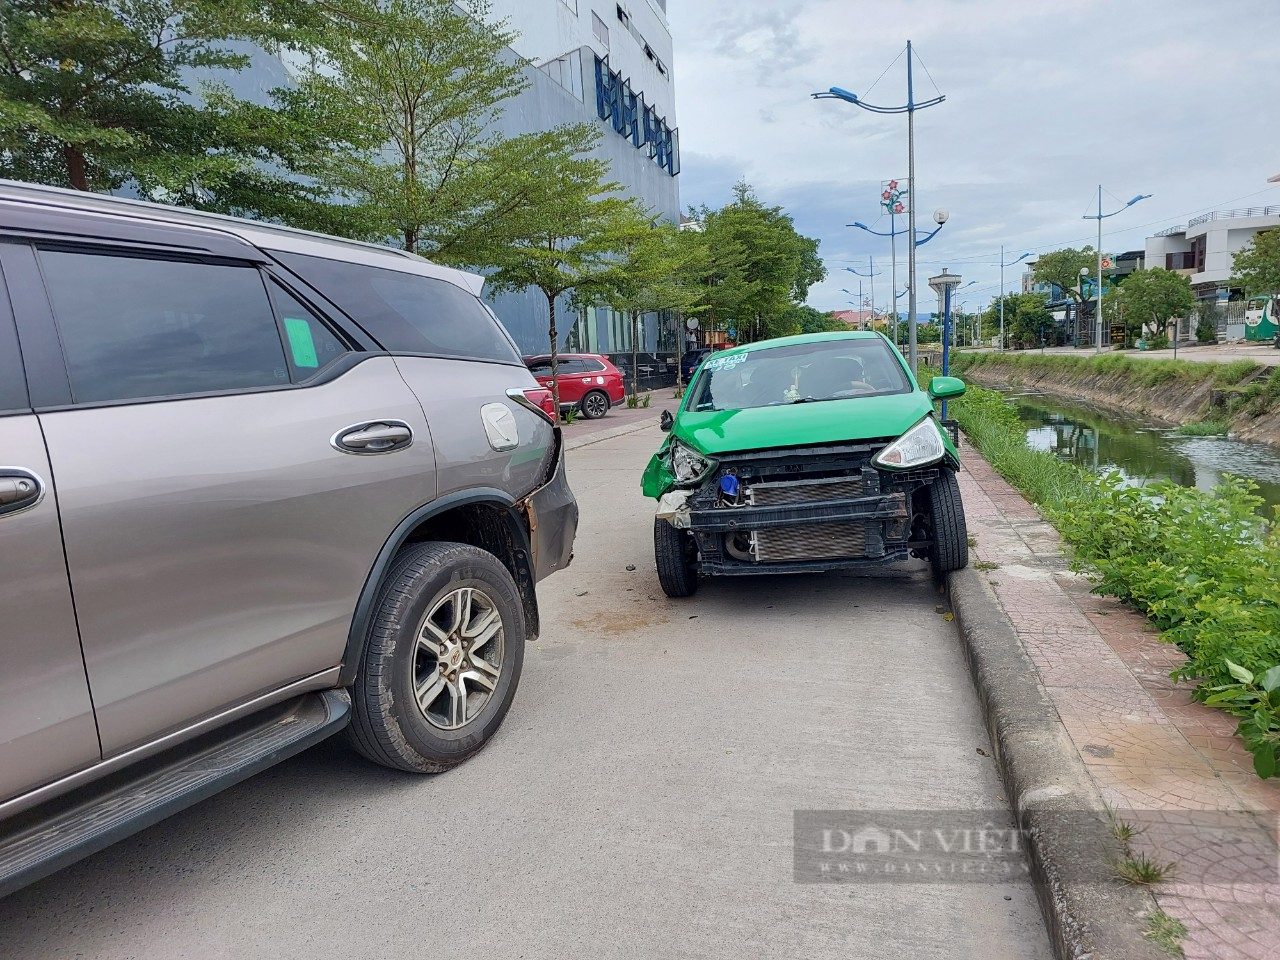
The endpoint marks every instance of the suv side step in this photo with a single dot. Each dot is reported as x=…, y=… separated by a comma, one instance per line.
x=44, y=840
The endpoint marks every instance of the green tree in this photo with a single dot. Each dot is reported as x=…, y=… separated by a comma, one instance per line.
x=401, y=111
x=1154, y=297
x=809, y=320
x=1025, y=316
x=1256, y=267
x=714, y=269
x=761, y=268
x=567, y=239
x=645, y=275
x=93, y=94
x=1061, y=268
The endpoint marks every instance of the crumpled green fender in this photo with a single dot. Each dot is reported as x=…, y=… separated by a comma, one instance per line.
x=658, y=478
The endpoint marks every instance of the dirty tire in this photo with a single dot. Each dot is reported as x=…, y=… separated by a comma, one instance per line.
x=950, y=533
x=673, y=549
x=594, y=405
x=387, y=724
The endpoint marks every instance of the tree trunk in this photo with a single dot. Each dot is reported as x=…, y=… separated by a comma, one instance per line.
x=555, y=356
x=635, y=353
x=411, y=239
x=77, y=167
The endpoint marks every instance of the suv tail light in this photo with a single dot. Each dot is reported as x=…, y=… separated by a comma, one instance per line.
x=537, y=399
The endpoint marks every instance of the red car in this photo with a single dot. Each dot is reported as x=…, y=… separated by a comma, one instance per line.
x=587, y=381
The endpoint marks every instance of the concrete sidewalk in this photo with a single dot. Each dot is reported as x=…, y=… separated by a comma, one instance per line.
x=1169, y=765
x=618, y=419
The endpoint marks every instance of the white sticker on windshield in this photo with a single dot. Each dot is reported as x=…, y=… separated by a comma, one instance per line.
x=726, y=363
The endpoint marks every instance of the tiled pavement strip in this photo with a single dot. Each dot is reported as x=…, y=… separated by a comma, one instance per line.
x=1162, y=761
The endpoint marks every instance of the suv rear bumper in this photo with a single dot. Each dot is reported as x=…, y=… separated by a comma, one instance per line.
x=552, y=513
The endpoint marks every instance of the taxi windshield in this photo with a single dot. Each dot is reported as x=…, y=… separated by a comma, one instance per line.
x=799, y=373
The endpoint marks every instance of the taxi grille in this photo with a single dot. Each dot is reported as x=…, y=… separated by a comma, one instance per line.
x=814, y=541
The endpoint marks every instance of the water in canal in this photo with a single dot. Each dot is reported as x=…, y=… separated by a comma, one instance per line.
x=1141, y=450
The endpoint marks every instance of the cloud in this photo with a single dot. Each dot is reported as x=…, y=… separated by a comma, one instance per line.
x=1044, y=101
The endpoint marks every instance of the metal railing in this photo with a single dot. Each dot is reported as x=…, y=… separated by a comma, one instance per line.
x=1272, y=211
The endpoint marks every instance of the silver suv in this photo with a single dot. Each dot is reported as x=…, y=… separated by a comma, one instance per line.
x=256, y=486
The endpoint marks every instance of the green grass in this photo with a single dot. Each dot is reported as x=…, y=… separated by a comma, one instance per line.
x=992, y=426
x=1146, y=373
x=1204, y=428
x=1236, y=371
x=1141, y=870
x=1166, y=932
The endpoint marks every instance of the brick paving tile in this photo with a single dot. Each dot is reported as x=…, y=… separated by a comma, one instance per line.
x=1169, y=765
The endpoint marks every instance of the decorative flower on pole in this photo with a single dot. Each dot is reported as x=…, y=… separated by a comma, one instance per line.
x=891, y=198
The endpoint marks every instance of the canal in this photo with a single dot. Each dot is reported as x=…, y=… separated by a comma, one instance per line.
x=1141, y=450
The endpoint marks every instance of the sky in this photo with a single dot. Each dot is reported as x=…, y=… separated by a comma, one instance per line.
x=1045, y=100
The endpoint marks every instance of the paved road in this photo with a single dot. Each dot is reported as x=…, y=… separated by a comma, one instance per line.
x=638, y=802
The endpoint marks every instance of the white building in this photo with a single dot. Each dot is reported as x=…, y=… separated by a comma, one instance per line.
x=608, y=63
x=1203, y=249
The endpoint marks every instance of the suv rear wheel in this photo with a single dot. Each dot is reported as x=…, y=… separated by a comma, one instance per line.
x=595, y=404
x=445, y=651
x=950, y=533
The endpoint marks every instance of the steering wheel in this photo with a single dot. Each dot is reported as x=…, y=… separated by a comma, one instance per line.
x=855, y=387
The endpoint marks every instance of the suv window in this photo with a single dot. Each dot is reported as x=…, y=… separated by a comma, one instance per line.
x=312, y=346
x=134, y=327
x=573, y=366
x=540, y=368
x=406, y=312
x=592, y=366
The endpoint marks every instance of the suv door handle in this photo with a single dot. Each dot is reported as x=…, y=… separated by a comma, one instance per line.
x=19, y=489
x=376, y=436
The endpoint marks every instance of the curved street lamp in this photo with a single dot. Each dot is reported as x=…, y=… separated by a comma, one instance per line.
x=1100, y=216
x=909, y=108
x=940, y=217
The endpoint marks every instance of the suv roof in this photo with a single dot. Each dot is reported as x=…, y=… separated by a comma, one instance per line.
x=563, y=356
x=263, y=235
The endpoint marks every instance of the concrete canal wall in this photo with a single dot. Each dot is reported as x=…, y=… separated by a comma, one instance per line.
x=1245, y=396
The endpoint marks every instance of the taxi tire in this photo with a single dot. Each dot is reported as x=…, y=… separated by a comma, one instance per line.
x=677, y=569
x=950, y=549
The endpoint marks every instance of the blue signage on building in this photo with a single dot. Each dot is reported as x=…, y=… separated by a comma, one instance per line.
x=635, y=120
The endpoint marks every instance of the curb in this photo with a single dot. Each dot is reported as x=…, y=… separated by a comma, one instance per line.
x=1089, y=914
x=573, y=443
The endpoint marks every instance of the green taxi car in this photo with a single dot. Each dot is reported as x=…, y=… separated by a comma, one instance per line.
x=805, y=454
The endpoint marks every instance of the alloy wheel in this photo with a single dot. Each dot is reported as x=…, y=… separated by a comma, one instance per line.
x=458, y=658
x=597, y=405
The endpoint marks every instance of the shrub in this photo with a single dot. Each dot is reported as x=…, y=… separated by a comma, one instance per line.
x=1206, y=571
x=1204, y=428
x=1201, y=565
x=1225, y=374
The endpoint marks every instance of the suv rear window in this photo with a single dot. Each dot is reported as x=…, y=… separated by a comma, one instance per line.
x=405, y=312
x=133, y=327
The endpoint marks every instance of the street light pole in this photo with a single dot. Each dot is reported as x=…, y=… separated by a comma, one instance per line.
x=911, y=213
x=1100, y=216
x=1098, y=312
x=909, y=109
x=893, y=288
x=939, y=216
x=1002, y=298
